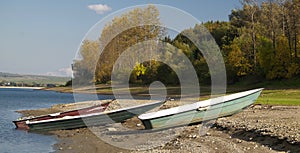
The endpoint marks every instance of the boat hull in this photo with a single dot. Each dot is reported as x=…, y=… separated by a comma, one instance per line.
x=92, y=119
x=21, y=124
x=196, y=115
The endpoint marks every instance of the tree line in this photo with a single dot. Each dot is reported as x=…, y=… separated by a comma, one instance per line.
x=261, y=41
x=265, y=42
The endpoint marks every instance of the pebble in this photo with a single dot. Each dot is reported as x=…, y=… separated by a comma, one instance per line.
x=111, y=129
x=280, y=126
x=257, y=107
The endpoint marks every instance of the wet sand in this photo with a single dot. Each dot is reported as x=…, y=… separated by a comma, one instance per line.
x=257, y=129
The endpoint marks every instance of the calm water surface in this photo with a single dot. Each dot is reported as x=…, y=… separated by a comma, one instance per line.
x=15, y=141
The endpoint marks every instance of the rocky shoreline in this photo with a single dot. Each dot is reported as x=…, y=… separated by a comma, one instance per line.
x=259, y=128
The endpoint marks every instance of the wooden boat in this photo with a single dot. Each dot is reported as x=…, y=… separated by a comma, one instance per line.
x=95, y=119
x=21, y=123
x=200, y=111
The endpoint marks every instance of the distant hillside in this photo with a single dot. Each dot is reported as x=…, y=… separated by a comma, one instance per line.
x=32, y=79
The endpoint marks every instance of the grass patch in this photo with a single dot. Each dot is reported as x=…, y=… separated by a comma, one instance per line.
x=272, y=95
x=279, y=97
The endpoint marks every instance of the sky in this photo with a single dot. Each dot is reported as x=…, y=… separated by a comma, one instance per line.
x=42, y=37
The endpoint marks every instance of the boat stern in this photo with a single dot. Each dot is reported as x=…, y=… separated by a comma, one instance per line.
x=21, y=125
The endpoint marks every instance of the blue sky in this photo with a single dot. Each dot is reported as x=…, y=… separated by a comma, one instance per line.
x=42, y=37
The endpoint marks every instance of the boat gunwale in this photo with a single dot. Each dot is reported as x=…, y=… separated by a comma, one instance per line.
x=93, y=114
x=145, y=116
x=46, y=115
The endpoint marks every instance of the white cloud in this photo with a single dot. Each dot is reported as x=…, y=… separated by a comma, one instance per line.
x=65, y=72
x=99, y=8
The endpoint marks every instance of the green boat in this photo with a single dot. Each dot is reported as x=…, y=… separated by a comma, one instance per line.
x=95, y=119
x=200, y=111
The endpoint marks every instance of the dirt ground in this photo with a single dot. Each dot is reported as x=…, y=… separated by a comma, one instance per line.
x=257, y=129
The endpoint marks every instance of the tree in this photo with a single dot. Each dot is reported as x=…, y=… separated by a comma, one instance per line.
x=238, y=61
x=139, y=70
x=281, y=60
x=295, y=21
x=143, y=25
x=251, y=9
x=270, y=18
x=122, y=33
x=223, y=32
x=266, y=55
x=84, y=67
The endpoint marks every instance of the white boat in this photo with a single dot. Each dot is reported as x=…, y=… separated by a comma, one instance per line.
x=200, y=111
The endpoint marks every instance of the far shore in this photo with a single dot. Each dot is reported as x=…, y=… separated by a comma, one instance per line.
x=14, y=87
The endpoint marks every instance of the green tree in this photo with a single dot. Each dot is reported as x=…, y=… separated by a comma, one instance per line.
x=266, y=55
x=223, y=32
x=281, y=60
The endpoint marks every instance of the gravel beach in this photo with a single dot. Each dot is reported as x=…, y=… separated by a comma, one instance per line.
x=260, y=128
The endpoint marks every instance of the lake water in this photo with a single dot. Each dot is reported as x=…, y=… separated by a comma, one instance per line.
x=12, y=140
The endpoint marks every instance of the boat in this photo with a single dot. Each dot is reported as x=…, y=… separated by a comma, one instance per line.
x=200, y=111
x=95, y=119
x=21, y=122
